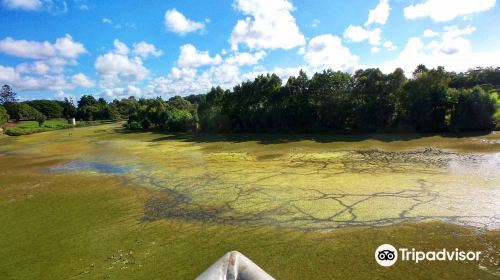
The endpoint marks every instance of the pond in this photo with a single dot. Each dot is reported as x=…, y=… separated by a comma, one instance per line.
x=304, y=183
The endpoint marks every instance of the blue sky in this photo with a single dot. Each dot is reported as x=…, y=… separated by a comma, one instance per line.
x=114, y=49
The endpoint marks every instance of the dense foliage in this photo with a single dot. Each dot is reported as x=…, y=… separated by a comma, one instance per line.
x=49, y=108
x=433, y=100
x=4, y=117
x=22, y=111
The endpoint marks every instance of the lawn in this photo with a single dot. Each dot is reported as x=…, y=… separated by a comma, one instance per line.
x=31, y=127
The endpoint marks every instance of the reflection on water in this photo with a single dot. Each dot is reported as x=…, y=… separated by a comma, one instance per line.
x=79, y=165
x=486, y=167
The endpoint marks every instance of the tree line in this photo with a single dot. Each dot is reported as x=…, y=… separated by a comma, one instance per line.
x=432, y=100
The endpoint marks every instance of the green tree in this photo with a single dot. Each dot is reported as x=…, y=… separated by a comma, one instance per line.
x=21, y=111
x=474, y=111
x=69, y=107
x=425, y=102
x=4, y=117
x=50, y=108
x=40, y=119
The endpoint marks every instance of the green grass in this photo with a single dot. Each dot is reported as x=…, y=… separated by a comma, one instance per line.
x=31, y=127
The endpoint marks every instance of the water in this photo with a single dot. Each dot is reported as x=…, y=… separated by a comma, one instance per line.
x=80, y=165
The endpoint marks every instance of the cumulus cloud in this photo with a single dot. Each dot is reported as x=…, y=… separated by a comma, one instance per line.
x=430, y=33
x=118, y=67
x=268, y=25
x=46, y=72
x=176, y=22
x=9, y=75
x=389, y=45
x=186, y=78
x=190, y=57
x=64, y=47
x=453, y=51
x=358, y=34
x=145, y=50
x=327, y=51
x=380, y=14
x=81, y=80
x=245, y=58
x=122, y=92
x=446, y=10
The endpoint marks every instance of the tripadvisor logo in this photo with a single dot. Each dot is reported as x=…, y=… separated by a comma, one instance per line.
x=387, y=255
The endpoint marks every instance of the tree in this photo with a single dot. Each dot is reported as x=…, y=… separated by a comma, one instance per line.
x=50, y=108
x=7, y=95
x=473, y=111
x=425, y=99
x=21, y=111
x=40, y=119
x=69, y=107
x=4, y=117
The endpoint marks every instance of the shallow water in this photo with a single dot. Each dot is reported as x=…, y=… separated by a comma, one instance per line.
x=83, y=166
x=318, y=184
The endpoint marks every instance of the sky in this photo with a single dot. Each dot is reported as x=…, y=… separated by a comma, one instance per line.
x=119, y=48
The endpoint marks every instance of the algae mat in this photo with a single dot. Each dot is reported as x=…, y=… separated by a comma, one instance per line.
x=316, y=184
x=99, y=203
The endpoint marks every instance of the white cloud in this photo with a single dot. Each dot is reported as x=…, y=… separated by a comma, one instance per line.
x=380, y=14
x=190, y=57
x=446, y=10
x=453, y=52
x=81, y=80
x=144, y=50
x=430, y=33
x=28, y=5
x=327, y=51
x=51, y=6
x=186, y=79
x=107, y=21
x=245, y=58
x=121, y=92
x=375, y=50
x=120, y=47
x=8, y=75
x=178, y=23
x=47, y=71
x=64, y=47
x=38, y=67
x=389, y=45
x=118, y=67
x=359, y=34
x=453, y=40
x=269, y=25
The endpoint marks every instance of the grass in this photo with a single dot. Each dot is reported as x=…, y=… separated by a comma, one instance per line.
x=31, y=127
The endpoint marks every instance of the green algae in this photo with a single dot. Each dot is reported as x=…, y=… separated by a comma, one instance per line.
x=298, y=183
